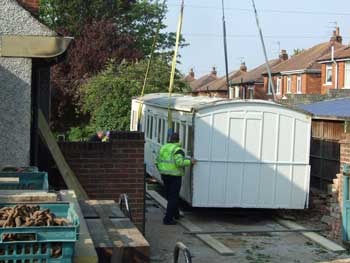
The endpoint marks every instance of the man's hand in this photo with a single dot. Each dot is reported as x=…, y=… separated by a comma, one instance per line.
x=193, y=161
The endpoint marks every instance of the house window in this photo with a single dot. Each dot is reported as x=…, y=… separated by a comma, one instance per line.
x=251, y=92
x=329, y=74
x=278, y=88
x=299, y=84
x=347, y=75
x=289, y=84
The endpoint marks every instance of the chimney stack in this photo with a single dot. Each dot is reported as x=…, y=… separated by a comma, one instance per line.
x=243, y=67
x=336, y=37
x=30, y=5
x=283, y=55
x=214, y=72
x=191, y=73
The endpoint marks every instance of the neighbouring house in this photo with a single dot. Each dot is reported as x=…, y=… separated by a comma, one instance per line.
x=28, y=49
x=301, y=74
x=336, y=70
x=204, y=80
x=250, y=85
x=218, y=87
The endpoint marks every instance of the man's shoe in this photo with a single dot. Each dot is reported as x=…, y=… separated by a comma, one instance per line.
x=178, y=217
x=169, y=223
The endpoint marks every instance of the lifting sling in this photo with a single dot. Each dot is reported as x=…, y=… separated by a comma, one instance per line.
x=173, y=69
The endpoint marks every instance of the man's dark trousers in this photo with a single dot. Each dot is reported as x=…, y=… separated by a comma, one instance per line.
x=172, y=185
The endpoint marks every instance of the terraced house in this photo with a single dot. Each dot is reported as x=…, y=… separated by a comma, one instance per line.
x=336, y=70
x=250, y=85
x=301, y=74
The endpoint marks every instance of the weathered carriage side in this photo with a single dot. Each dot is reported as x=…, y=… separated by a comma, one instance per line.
x=250, y=153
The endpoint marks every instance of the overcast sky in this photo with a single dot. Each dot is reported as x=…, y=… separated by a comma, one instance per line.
x=285, y=24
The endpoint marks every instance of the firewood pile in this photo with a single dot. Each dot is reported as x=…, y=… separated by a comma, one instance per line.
x=23, y=215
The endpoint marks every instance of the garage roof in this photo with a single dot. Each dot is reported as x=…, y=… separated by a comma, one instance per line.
x=330, y=109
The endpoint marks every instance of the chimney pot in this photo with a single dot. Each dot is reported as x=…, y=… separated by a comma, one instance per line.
x=243, y=67
x=214, y=72
x=336, y=37
x=283, y=55
x=191, y=73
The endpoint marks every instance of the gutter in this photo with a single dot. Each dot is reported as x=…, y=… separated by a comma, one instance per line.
x=33, y=46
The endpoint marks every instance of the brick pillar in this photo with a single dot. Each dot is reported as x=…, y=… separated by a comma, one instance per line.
x=337, y=204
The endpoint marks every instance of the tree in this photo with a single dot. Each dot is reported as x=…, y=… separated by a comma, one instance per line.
x=88, y=55
x=137, y=18
x=109, y=29
x=107, y=97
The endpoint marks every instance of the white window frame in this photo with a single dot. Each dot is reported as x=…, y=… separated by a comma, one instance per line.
x=289, y=84
x=278, y=86
x=251, y=89
x=329, y=66
x=269, y=91
x=347, y=75
x=299, y=84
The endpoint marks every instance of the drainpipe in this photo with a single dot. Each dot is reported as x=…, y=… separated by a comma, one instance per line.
x=336, y=69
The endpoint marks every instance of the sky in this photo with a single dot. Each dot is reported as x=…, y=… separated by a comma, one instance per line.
x=285, y=25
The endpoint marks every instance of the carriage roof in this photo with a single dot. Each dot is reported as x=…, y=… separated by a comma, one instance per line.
x=189, y=103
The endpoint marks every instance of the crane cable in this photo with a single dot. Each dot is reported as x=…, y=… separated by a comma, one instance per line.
x=173, y=68
x=149, y=64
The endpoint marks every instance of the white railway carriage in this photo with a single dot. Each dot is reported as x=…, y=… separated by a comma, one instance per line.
x=251, y=154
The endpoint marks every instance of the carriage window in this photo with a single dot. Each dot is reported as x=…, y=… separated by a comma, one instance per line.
x=159, y=135
x=165, y=131
x=190, y=141
x=147, y=126
x=183, y=135
x=177, y=127
x=151, y=128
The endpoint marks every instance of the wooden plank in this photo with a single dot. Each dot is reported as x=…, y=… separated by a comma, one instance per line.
x=125, y=239
x=132, y=247
x=68, y=175
x=28, y=197
x=110, y=208
x=322, y=241
x=84, y=247
x=207, y=239
x=160, y=200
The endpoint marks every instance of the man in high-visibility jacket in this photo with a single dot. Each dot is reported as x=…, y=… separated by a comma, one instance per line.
x=171, y=163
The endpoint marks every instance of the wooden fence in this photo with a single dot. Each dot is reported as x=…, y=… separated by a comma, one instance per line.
x=325, y=152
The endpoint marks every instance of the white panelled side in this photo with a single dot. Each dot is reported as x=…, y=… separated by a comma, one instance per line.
x=251, y=155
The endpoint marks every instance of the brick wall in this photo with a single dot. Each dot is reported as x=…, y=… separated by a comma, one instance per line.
x=313, y=84
x=329, y=204
x=107, y=170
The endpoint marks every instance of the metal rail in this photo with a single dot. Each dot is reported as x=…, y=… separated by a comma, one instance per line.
x=238, y=232
x=186, y=252
x=124, y=199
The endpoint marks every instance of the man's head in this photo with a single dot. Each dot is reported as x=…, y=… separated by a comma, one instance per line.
x=99, y=134
x=174, y=138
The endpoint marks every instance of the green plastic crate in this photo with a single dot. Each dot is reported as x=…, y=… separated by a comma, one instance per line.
x=36, y=181
x=39, y=250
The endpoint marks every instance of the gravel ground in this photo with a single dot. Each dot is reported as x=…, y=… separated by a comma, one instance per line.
x=268, y=248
